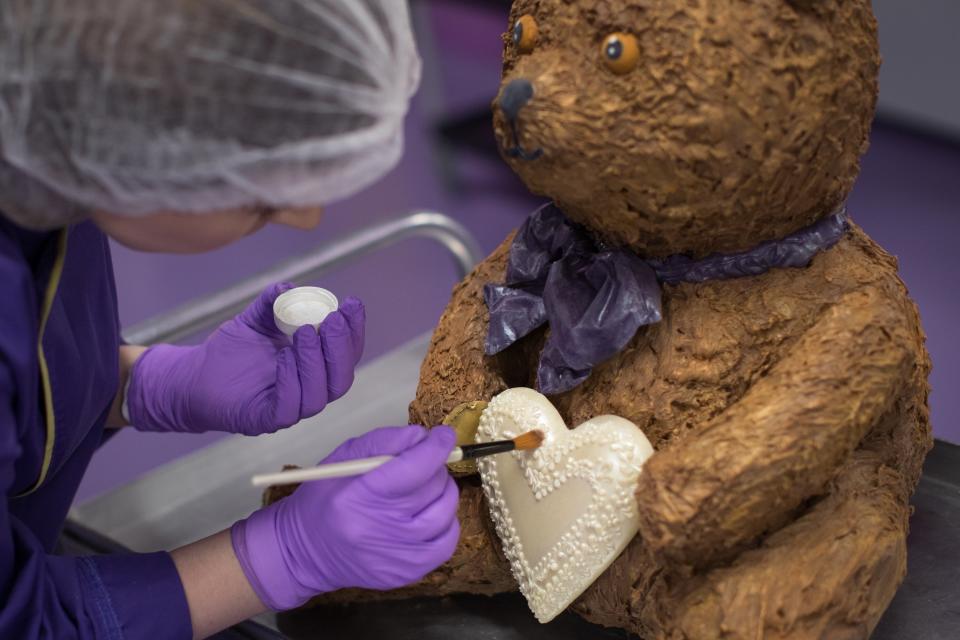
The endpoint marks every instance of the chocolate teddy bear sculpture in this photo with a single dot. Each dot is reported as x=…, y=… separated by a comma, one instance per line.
x=699, y=153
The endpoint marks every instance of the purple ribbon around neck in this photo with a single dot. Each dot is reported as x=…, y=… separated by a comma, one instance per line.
x=594, y=298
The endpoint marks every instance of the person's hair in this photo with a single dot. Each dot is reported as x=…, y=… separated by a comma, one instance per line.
x=135, y=106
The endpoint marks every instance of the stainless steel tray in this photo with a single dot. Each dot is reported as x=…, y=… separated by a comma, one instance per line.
x=210, y=489
x=207, y=491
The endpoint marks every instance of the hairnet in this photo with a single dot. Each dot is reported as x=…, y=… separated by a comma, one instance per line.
x=136, y=106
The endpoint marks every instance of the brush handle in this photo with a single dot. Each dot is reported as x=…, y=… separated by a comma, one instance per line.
x=364, y=465
x=356, y=467
x=321, y=472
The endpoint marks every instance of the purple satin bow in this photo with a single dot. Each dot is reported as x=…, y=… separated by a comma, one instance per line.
x=595, y=298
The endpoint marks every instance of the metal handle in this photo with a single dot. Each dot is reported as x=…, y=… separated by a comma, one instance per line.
x=199, y=314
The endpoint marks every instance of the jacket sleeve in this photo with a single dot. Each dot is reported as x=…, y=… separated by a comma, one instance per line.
x=115, y=597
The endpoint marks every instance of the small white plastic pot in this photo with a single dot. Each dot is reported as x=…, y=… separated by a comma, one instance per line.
x=303, y=306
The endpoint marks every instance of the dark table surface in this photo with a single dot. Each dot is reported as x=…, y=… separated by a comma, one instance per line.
x=927, y=606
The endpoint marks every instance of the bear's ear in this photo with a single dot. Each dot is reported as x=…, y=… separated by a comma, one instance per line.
x=804, y=5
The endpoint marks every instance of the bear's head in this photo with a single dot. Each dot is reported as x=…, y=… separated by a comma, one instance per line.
x=689, y=126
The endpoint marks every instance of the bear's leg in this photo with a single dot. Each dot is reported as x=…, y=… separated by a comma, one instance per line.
x=830, y=574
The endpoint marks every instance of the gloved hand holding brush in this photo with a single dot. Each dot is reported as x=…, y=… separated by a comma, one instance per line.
x=382, y=530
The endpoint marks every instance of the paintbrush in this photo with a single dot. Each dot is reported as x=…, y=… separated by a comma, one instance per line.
x=524, y=442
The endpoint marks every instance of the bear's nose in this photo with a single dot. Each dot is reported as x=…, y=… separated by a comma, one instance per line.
x=515, y=95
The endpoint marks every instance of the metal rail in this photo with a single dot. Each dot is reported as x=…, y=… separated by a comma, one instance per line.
x=204, y=312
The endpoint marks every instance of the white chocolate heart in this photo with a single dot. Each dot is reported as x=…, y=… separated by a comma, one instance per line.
x=565, y=511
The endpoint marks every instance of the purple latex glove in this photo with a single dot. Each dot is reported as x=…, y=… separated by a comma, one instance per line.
x=248, y=377
x=382, y=530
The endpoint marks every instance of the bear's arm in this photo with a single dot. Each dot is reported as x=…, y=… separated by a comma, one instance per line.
x=748, y=470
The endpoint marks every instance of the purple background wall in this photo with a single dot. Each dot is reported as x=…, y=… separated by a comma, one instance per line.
x=906, y=199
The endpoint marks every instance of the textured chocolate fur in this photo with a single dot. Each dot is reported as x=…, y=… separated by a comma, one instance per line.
x=788, y=410
x=744, y=121
x=790, y=417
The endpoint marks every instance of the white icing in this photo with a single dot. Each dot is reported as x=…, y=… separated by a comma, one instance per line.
x=565, y=511
x=306, y=312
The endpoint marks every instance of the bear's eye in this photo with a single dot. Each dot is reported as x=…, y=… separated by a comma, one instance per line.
x=525, y=33
x=620, y=52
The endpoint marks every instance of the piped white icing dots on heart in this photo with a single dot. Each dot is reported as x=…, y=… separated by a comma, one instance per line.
x=565, y=511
